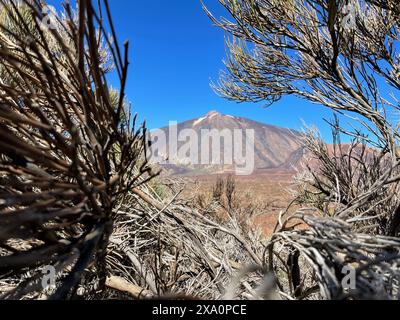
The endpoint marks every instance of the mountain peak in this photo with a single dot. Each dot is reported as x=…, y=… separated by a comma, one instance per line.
x=215, y=114
x=274, y=147
x=212, y=114
x=209, y=116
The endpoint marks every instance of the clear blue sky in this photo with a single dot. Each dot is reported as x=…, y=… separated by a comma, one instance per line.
x=175, y=51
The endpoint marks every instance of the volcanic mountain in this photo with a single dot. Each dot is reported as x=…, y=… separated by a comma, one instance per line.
x=274, y=147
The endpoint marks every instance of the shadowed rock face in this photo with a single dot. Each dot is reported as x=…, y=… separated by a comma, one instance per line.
x=274, y=147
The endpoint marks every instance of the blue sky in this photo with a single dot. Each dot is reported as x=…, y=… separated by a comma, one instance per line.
x=175, y=52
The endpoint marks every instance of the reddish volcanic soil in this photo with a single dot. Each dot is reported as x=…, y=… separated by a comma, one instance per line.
x=268, y=190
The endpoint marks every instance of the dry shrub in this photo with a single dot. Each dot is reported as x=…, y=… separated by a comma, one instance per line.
x=350, y=207
x=73, y=175
x=316, y=259
x=170, y=249
x=67, y=157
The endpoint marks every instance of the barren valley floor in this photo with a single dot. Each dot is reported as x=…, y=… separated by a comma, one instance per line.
x=267, y=191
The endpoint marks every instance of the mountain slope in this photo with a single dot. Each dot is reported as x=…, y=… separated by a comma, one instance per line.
x=274, y=147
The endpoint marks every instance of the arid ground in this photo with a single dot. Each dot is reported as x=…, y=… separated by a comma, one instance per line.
x=265, y=193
